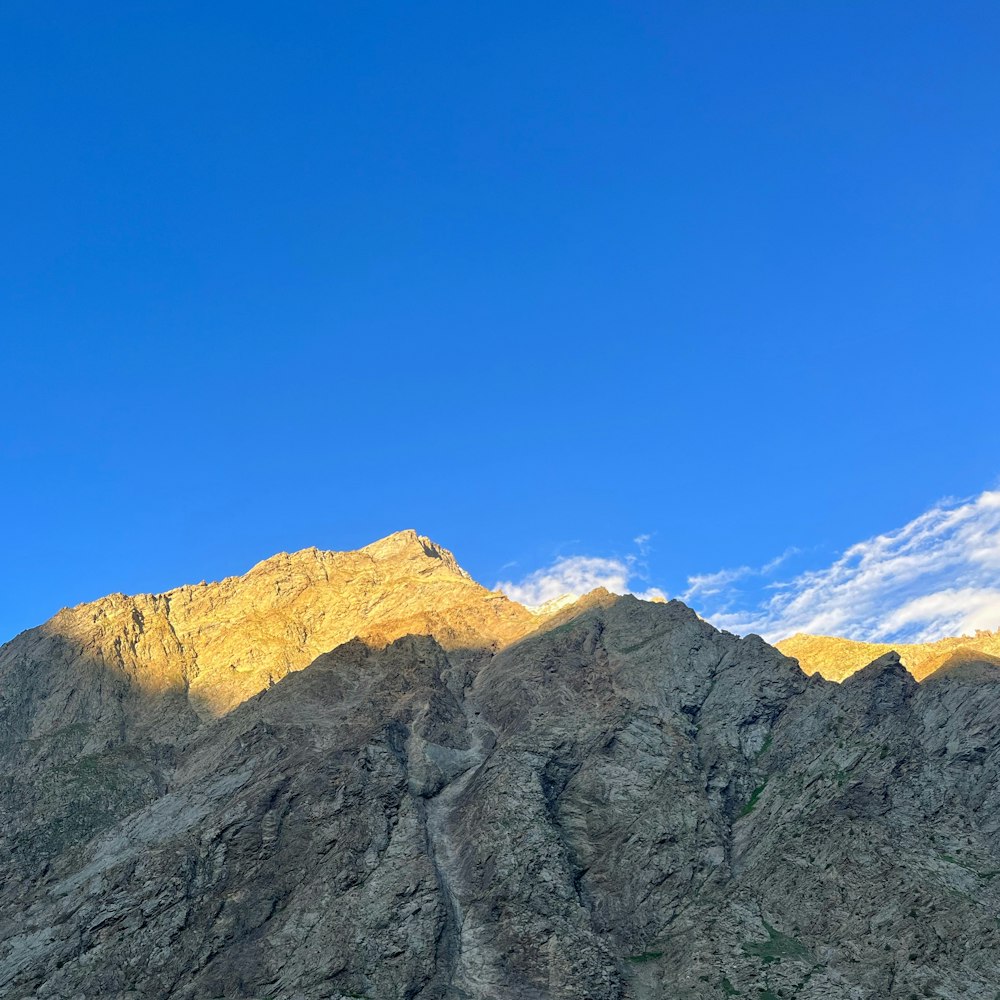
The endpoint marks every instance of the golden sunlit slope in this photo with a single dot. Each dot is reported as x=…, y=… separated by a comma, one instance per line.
x=218, y=644
x=836, y=658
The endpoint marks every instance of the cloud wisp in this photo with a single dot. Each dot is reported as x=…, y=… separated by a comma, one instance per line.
x=574, y=576
x=936, y=576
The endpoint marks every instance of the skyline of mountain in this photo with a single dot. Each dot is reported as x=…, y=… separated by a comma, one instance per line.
x=457, y=797
x=192, y=623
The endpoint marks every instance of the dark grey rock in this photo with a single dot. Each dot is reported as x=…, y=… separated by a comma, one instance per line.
x=624, y=804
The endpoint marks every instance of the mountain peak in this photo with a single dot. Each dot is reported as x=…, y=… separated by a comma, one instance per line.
x=886, y=670
x=217, y=644
x=887, y=661
x=408, y=544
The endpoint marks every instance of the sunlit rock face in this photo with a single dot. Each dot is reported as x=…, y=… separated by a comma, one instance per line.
x=363, y=775
x=214, y=645
x=836, y=658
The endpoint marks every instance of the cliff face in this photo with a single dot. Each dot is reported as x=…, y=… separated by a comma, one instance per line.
x=837, y=658
x=614, y=802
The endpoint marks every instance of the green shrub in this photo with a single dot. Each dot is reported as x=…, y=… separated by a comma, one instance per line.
x=646, y=956
x=749, y=807
x=776, y=947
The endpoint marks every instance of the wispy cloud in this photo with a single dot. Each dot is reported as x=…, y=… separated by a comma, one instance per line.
x=721, y=582
x=777, y=561
x=709, y=584
x=937, y=575
x=578, y=575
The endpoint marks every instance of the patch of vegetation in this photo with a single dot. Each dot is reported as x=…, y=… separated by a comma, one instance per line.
x=765, y=746
x=638, y=645
x=776, y=947
x=646, y=956
x=84, y=795
x=952, y=860
x=727, y=987
x=749, y=807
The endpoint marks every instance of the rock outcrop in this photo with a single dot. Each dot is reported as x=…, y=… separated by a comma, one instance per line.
x=456, y=798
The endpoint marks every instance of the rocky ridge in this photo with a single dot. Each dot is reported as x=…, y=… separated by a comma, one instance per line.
x=836, y=658
x=463, y=800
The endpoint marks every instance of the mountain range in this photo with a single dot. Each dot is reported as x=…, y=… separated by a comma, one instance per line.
x=362, y=774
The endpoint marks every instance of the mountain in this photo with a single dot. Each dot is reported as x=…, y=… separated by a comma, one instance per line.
x=363, y=775
x=837, y=659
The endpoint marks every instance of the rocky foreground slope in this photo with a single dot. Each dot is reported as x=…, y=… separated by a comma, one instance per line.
x=363, y=775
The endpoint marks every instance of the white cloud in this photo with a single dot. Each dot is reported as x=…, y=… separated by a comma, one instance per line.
x=707, y=584
x=771, y=566
x=935, y=576
x=575, y=575
x=649, y=594
x=578, y=575
x=957, y=611
x=720, y=582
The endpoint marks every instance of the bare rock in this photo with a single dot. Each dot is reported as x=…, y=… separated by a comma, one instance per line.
x=363, y=775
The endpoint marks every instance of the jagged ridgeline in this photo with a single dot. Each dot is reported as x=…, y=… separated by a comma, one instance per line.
x=363, y=775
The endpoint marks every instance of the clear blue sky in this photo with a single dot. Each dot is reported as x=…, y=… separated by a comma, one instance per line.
x=531, y=278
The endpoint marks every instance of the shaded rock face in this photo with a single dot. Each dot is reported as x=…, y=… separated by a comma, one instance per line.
x=614, y=802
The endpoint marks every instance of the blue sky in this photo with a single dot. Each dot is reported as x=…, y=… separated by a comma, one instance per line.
x=536, y=280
